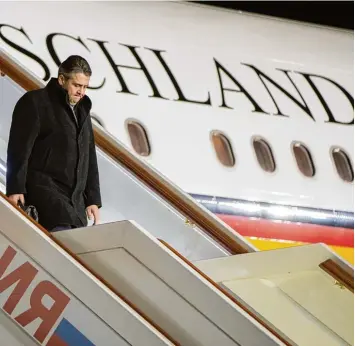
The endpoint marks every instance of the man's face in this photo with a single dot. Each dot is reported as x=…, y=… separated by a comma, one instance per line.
x=75, y=85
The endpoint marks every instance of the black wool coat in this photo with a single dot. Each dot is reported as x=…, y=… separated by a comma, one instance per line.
x=51, y=156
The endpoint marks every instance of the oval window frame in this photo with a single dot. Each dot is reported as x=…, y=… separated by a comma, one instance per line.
x=262, y=139
x=311, y=160
x=215, y=133
x=143, y=130
x=334, y=148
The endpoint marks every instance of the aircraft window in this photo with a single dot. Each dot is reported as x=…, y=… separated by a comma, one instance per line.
x=303, y=159
x=223, y=148
x=264, y=155
x=343, y=165
x=138, y=137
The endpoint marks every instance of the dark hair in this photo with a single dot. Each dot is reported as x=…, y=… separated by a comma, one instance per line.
x=74, y=64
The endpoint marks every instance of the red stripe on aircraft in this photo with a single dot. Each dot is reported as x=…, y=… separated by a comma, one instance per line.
x=291, y=231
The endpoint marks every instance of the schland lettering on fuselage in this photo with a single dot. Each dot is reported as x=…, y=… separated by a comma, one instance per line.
x=223, y=75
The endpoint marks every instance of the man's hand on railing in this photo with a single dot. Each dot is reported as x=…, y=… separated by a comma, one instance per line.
x=17, y=197
x=92, y=212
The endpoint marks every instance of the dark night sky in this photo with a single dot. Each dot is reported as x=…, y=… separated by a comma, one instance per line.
x=333, y=13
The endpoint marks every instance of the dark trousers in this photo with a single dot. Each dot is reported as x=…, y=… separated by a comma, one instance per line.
x=61, y=228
